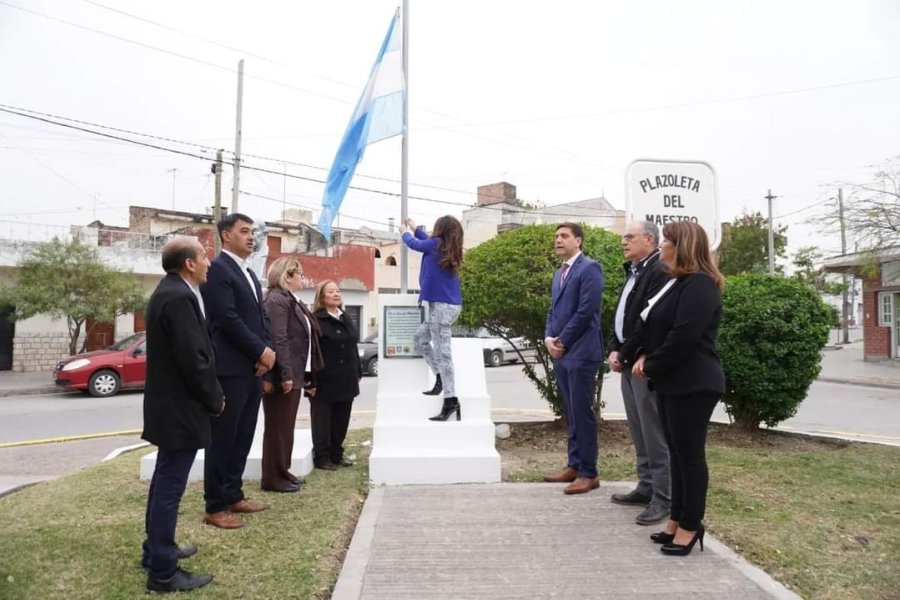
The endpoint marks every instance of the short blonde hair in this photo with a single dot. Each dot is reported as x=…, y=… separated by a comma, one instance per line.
x=281, y=269
x=319, y=302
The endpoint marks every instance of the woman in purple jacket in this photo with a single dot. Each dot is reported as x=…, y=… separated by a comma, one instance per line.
x=439, y=285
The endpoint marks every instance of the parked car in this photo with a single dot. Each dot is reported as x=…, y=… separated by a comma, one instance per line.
x=368, y=355
x=497, y=351
x=103, y=373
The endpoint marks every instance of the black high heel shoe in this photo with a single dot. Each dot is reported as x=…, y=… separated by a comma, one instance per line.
x=437, y=389
x=662, y=537
x=672, y=549
x=451, y=405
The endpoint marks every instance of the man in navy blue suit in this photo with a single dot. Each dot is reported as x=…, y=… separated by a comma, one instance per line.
x=240, y=333
x=575, y=343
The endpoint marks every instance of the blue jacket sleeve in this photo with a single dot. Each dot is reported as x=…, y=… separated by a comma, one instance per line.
x=420, y=233
x=426, y=246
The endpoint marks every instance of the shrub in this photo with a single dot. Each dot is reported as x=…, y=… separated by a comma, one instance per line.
x=771, y=336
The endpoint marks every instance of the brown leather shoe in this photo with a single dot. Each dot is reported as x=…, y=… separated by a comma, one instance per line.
x=582, y=485
x=567, y=475
x=245, y=506
x=223, y=520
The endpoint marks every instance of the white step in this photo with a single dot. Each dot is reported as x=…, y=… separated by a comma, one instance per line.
x=301, y=459
x=476, y=435
x=432, y=468
x=416, y=407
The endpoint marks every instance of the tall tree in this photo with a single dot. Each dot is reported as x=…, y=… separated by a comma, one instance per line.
x=745, y=245
x=871, y=209
x=67, y=280
x=808, y=269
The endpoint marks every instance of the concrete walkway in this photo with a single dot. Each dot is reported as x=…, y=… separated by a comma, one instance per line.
x=519, y=541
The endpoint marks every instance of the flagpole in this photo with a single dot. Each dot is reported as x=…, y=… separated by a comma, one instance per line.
x=404, y=168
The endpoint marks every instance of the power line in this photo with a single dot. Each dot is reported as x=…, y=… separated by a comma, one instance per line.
x=269, y=171
x=180, y=32
x=622, y=111
x=173, y=53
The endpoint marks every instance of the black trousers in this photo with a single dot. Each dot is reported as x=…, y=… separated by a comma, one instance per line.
x=685, y=422
x=329, y=421
x=166, y=489
x=232, y=435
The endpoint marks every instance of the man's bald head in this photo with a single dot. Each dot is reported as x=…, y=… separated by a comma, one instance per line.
x=186, y=256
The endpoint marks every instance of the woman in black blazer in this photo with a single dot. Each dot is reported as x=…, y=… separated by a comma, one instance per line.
x=337, y=384
x=295, y=338
x=675, y=348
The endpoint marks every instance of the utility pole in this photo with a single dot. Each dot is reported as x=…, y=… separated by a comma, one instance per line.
x=174, y=172
x=845, y=308
x=770, y=197
x=217, y=208
x=236, y=189
x=404, y=149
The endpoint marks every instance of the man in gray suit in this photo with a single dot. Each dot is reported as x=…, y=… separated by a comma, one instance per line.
x=645, y=275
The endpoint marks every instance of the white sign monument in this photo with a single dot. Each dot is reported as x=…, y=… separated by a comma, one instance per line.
x=662, y=191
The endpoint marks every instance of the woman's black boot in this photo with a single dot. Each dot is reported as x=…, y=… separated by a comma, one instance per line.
x=451, y=405
x=437, y=389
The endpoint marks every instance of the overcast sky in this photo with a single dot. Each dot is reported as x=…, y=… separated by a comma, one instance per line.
x=554, y=97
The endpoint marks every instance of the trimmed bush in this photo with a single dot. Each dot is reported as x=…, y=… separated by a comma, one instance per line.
x=771, y=337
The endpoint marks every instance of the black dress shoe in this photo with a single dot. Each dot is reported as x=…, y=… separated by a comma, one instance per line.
x=327, y=466
x=653, y=514
x=632, y=498
x=344, y=462
x=181, y=581
x=293, y=487
x=181, y=553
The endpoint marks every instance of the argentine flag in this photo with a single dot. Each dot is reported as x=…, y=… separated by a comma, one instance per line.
x=378, y=116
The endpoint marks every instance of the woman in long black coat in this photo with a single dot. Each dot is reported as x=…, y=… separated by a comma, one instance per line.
x=337, y=383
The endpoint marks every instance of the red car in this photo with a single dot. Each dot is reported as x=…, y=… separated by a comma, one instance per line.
x=103, y=373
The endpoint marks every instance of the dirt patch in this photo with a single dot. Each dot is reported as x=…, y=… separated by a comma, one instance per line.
x=535, y=448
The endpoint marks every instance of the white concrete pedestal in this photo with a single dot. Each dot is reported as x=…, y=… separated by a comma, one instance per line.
x=407, y=448
x=301, y=457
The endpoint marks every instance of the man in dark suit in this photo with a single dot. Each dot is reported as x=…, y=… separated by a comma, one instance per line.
x=575, y=343
x=645, y=275
x=240, y=333
x=182, y=392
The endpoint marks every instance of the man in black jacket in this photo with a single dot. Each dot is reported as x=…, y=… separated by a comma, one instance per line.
x=240, y=333
x=645, y=275
x=181, y=394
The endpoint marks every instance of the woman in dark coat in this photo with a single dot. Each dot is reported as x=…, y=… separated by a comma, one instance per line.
x=674, y=346
x=337, y=384
x=296, y=343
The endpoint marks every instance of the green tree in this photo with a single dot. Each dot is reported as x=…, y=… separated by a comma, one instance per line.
x=806, y=271
x=66, y=280
x=745, y=245
x=506, y=288
x=770, y=340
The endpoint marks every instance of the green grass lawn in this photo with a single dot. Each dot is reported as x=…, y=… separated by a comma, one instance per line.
x=823, y=518
x=80, y=536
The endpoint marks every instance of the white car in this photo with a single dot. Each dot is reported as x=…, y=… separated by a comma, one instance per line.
x=497, y=350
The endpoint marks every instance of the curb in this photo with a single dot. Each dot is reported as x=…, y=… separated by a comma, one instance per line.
x=888, y=385
x=45, y=389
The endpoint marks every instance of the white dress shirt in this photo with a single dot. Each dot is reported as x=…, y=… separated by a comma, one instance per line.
x=242, y=263
x=196, y=291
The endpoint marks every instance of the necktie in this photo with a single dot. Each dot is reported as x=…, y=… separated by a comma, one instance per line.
x=565, y=273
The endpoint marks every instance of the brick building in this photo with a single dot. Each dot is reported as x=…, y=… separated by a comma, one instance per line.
x=880, y=272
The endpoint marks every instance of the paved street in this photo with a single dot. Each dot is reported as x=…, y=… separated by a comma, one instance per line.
x=862, y=412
